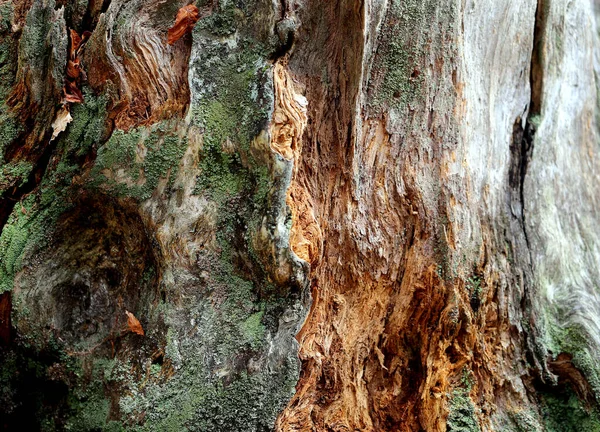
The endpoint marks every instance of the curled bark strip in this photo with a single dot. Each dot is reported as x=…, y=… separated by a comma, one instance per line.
x=184, y=23
x=72, y=93
x=71, y=90
x=134, y=324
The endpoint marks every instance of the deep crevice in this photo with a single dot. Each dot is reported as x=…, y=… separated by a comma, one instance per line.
x=536, y=83
x=285, y=29
x=521, y=150
x=90, y=21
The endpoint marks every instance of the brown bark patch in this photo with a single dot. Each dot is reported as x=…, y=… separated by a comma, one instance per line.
x=148, y=79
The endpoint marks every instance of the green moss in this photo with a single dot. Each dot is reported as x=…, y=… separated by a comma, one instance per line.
x=462, y=413
x=461, y=417
x=87, y=127
x=91, y=412
x=254, y=330
x=88, y=402
x=572, y=338
x=43, y=47
x=14, y=174
x=231, y=113
x=193, y=402
x=9, y=130
x=222, y=22
x=27, y=228
x=564, y=412
x=523, y=421
x=473, y=285
x=32, y=220
x=9, y=126
x=212, y=330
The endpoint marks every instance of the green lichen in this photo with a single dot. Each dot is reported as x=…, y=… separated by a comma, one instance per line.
x=32, y=220
x=223, y=21
x=398, y=63
x=462, y=413
x=10, y=129
x=232, y=113
x=523, y=421
x=132, y=163
x=572, y=338
x=26, y=230
x=43, y=49
x=254, y=330
x=473, y=285
x=88, y=125
x=212, y=323
x=88, y=405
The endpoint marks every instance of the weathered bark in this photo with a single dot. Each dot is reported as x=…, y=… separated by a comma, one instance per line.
x=299, y=215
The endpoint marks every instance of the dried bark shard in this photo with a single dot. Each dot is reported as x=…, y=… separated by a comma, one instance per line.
x=133, y=324
x=184, y=23
x=63, y=118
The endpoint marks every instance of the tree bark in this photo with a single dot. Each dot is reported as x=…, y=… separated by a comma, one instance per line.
x=299, y=216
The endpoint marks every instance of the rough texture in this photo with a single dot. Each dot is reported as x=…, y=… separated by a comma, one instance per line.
x=347, y=215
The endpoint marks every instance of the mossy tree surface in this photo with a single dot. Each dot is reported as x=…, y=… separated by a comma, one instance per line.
x=436, y=162
x=158, y=220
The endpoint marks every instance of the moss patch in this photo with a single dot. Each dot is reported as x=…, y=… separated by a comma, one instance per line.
x=572, y=339
x=462, y=416
x=9, y=126
x=564, y=412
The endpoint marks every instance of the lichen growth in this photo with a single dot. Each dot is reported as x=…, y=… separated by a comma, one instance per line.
x=524, y=421
x=572, y=338
x=31, y=223
x=462, y=415
x=132, y=163
x=398, y=76
x=26, y=230
x=206, y=362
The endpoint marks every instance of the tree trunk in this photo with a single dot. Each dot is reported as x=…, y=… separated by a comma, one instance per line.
x=303, y=216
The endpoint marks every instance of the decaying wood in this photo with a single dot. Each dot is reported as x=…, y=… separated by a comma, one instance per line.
x=330, y=216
